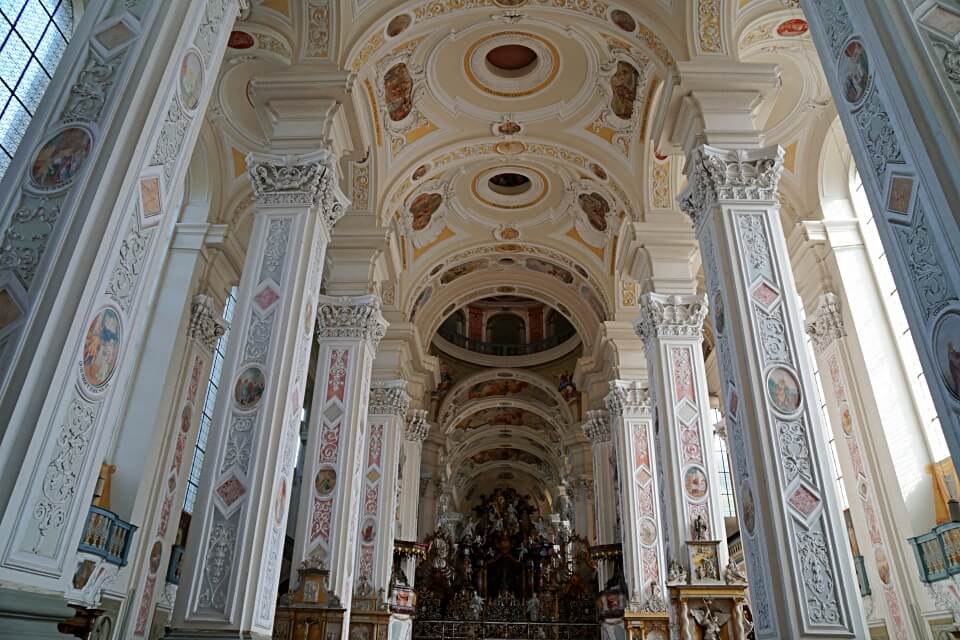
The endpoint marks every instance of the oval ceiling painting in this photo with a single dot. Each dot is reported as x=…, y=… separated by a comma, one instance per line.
x=398, y=25
x=596, y=208
x=422, y=209
x=624, y=85
x=398, y=89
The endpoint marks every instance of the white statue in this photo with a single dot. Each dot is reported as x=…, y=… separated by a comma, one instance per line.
x=711, y=622
x=732, y=575
x=676, y=573
x=533, y=608
x=476, y=606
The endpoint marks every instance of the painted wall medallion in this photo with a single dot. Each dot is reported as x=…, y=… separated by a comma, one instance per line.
x=510, y=147
x=398, y=25
x=457, y=272
x=783, y=390
x=598, y=171
x=240, y=40
x=186, y=418
x=720, y=317
x=648, y=531
x=749, y=509
x=369, y=530
x=792, y=28
x=422, y=209
x=509, y=128
x=398, y=90
x=281, y=502
x=624, y=84
x=540, y=266
x=59, y=161
x=325, y=482
x=249, y=388
x=420, y=171
x=846, y=422
x=155, y=554
x=623, y=20
x=946, y=341
x=191, y=80
x=883, y=565
x=854, y=71
x=308, y=317
x=695, y=483
x=101, y=347
x=596, y=207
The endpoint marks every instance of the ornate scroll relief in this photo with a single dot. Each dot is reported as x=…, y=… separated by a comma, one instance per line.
x=826, y=324
x=670, y=316
x=205, y=327
x=597, y=427
x=709, y=30
x=417, y=428
x=285, y=181
x=717, y=174
x=348, y=317
x=388, y=398
x=317, y=43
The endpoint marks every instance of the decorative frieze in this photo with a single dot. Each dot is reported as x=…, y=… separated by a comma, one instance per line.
x=597, y=427
x=289, y=180
x=671, y=316
x=388, y=398
x=717, y=174
x=417, y=428
x=205, y=327
x=826, y=324
x=628, y=399
x=351, y=317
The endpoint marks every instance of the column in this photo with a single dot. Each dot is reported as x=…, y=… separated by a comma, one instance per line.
x=672, y=330
x=95, y=315
x=597, y=430
x=231, y=568
x=892, y=69
x=386, y=423
x=891, y=572
x=348, y=332
x=416, y=432
x=634, y=434
x=801, y=579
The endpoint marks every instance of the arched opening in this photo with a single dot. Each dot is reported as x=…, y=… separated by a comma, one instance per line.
x=506, y=328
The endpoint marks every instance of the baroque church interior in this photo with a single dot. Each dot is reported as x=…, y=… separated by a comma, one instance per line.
x=479, y=319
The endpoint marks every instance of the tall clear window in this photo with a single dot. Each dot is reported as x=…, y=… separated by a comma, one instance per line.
x=33, y=37
x=835, y=468
x=727, y=503
x=209, y=401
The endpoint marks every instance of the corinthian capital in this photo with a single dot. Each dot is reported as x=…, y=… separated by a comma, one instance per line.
x=716, y=175
x=667, y=316
x=826, y=323
x=628, y=399
x=597, y=427
x=417, y=426
x=351, y=317
x=205, y=326
x=290, y=180
x=388, y=398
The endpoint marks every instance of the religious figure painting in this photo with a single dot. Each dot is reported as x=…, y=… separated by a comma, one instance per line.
x=540, y=266
x=325, y=481
x=783, y=390
x=623, y=20
x=101, y=347
x=422, y=209
x=249, y=388
x=749, y=508
x=946, y=337
x=191, y=80
x=624, y=84
x=61, y=158
x=398, y=90
x=461, y=270
x=695, y=483
x=596, y=208
x=854, y=71
x=500, y=387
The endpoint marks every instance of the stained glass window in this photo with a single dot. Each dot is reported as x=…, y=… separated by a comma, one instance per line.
x=209, y=400
x=33, y=37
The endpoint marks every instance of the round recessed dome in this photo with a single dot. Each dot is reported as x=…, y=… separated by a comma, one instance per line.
x=512, y=60
x=509, y=183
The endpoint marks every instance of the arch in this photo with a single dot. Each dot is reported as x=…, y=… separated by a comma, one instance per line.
x=460, y=395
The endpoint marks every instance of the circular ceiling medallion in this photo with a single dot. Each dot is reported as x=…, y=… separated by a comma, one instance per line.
x=398, y=25
x=509, y=128
x=420, y=171
x=792, y=28
x=623, y=20
x=510, y=187
x=511, y=64
x=510, y=148
x=240, y=40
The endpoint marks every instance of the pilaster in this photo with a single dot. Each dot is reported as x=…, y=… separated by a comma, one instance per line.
x=349, y=329
x=671, y=327
x=801, y=578
x=633, y=433
x=231, y=568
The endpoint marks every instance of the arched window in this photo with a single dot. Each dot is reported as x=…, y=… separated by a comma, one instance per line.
x=506, y=328
x=33, y=37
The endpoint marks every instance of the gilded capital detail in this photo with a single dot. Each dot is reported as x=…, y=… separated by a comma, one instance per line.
x=351, y=317
x=826, y=324
x=597, y=427
x=670, y=316
x=388, y=398
x=417, y=428
x=205, y=327
x=716, y=175
x=628, y=399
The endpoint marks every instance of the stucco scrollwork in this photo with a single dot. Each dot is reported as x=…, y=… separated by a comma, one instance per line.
x=89, y=93
x=205, y=327
x=718, y=174
x=351, y=317
x=388, y=398
x=597, y=426
x=825, y=326
x=126, y=274
x=818, y=582
x=288, y=180
x=219, y=565
x=417, y=428
x=670, y=316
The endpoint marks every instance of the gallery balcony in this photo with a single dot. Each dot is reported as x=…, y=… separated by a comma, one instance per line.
x=107, y=536
x=525, y=354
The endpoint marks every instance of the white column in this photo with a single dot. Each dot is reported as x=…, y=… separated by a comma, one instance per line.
x=71, y=403
x=231, y=568
x=416, y=432
x=597, y=430
x=634, y=437
x=891, y=67
x=386, y=422
x=891, y=569
x=672, y=330
x=348, y=332
x=801, y=578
